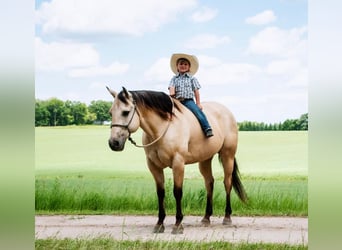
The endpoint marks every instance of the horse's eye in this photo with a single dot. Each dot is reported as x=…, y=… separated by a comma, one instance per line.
x=125, y=113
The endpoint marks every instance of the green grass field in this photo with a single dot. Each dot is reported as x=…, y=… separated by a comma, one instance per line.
x=76, y=172
x=84, y=150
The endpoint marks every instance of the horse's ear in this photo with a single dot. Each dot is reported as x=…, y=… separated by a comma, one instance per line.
x=126, y=93
x=112, y=92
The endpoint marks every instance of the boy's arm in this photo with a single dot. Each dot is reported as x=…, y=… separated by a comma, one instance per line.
x=172, y=91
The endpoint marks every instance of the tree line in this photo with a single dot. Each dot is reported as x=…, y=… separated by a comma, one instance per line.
x=55, y=112
x=289, y=124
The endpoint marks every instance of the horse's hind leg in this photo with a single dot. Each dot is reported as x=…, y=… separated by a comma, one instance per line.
x=158, y=175
x=206, y=171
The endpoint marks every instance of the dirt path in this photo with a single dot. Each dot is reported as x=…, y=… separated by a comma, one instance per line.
x=290, y=230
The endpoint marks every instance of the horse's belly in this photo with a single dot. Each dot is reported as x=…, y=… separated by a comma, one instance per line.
x=199, y=154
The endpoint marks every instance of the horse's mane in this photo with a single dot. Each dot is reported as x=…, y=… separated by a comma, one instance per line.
x=159, y=102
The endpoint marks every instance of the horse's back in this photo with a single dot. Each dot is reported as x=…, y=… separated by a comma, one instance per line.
x=220, y=115
x=197, y=146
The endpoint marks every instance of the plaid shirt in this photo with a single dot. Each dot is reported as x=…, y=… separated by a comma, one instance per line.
x=185, y=85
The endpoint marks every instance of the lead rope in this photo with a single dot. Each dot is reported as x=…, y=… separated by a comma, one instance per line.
x=151, y=143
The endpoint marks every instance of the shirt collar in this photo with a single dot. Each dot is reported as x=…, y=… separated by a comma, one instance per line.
x=185, y=74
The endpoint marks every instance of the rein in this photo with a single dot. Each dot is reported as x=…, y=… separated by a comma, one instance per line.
x=129, y=136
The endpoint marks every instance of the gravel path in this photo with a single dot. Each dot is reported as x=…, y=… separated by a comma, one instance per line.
x=290, y=230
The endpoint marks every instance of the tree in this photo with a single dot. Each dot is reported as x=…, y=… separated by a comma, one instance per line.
x=79, y=112
x=101, y=109
x=42, y=115
x=303, y=122
x=289, y=124
x=55, y=108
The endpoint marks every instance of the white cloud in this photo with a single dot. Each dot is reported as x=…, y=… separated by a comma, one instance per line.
x=97, y=85
x=289, y=48
x=160, y=71
x=98, y=70
x=262, y=18
x=292, y=72
x=208, y=61
x=108, y=16
x=280, y=67
x=206, y=41
x=269, y=107
x=212, y=71
x=229, y=73
x=80, y=59
x=204, y=14
x=273, y=41
x=58, y=56
x=300, y=79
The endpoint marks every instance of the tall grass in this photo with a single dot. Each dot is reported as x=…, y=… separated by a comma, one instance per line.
x=138, y=196
x=106, y=243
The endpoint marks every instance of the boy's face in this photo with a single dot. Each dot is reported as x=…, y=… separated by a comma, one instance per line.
x=183, y=66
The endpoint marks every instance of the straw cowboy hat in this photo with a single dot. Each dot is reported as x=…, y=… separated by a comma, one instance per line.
x=191, y=58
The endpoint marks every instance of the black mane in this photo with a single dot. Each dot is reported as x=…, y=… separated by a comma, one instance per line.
x=159, y=102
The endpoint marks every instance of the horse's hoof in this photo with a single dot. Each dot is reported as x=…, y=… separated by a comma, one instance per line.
x=177, y=229
x=227, y=221
x=205, y=222
x=158, y=229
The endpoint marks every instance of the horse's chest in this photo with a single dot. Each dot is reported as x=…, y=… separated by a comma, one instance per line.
x=160, y=158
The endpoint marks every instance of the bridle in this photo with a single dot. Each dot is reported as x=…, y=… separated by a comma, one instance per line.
x=129, y=132
x=129, y=123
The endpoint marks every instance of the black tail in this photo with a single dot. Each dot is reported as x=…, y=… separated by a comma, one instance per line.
x=237, y=185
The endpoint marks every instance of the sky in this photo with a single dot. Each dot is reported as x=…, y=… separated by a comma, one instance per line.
x=252, y=54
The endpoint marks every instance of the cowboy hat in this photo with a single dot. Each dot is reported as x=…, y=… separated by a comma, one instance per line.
x=191, y=58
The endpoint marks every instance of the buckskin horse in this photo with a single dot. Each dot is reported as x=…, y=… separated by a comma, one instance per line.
x=172, y=137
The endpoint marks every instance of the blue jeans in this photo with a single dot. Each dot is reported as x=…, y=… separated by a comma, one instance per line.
x=190, y=104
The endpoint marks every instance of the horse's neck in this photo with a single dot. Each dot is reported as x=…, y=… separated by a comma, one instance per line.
x=151, y=123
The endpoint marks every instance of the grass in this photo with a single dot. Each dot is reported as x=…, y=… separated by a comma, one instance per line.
x=70, y=195
x=77, y=173
x=105, y=243
x=84, y=150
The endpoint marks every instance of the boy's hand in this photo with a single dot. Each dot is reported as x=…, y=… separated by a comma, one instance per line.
x=200, y=106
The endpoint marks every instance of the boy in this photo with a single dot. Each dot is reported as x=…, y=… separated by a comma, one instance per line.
x=184, y=87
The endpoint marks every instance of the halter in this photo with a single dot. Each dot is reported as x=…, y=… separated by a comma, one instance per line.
x=129, y=123
x=129, y=135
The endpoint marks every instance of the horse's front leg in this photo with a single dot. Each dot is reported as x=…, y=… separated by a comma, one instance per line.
x=178, y=176
x=158, y=175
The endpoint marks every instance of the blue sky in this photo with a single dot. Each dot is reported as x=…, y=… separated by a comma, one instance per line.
x=252, y=54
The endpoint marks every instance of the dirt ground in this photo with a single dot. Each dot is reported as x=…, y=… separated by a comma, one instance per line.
x=290, y=230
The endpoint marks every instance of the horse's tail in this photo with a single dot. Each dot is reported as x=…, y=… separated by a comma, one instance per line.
x=237, y=184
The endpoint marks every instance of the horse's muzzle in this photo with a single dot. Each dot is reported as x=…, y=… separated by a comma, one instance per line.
x=116, y=145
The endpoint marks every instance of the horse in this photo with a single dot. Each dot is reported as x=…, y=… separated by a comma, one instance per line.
x=172, y=137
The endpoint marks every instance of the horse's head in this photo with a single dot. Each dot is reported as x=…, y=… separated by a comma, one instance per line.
x=125, y=119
